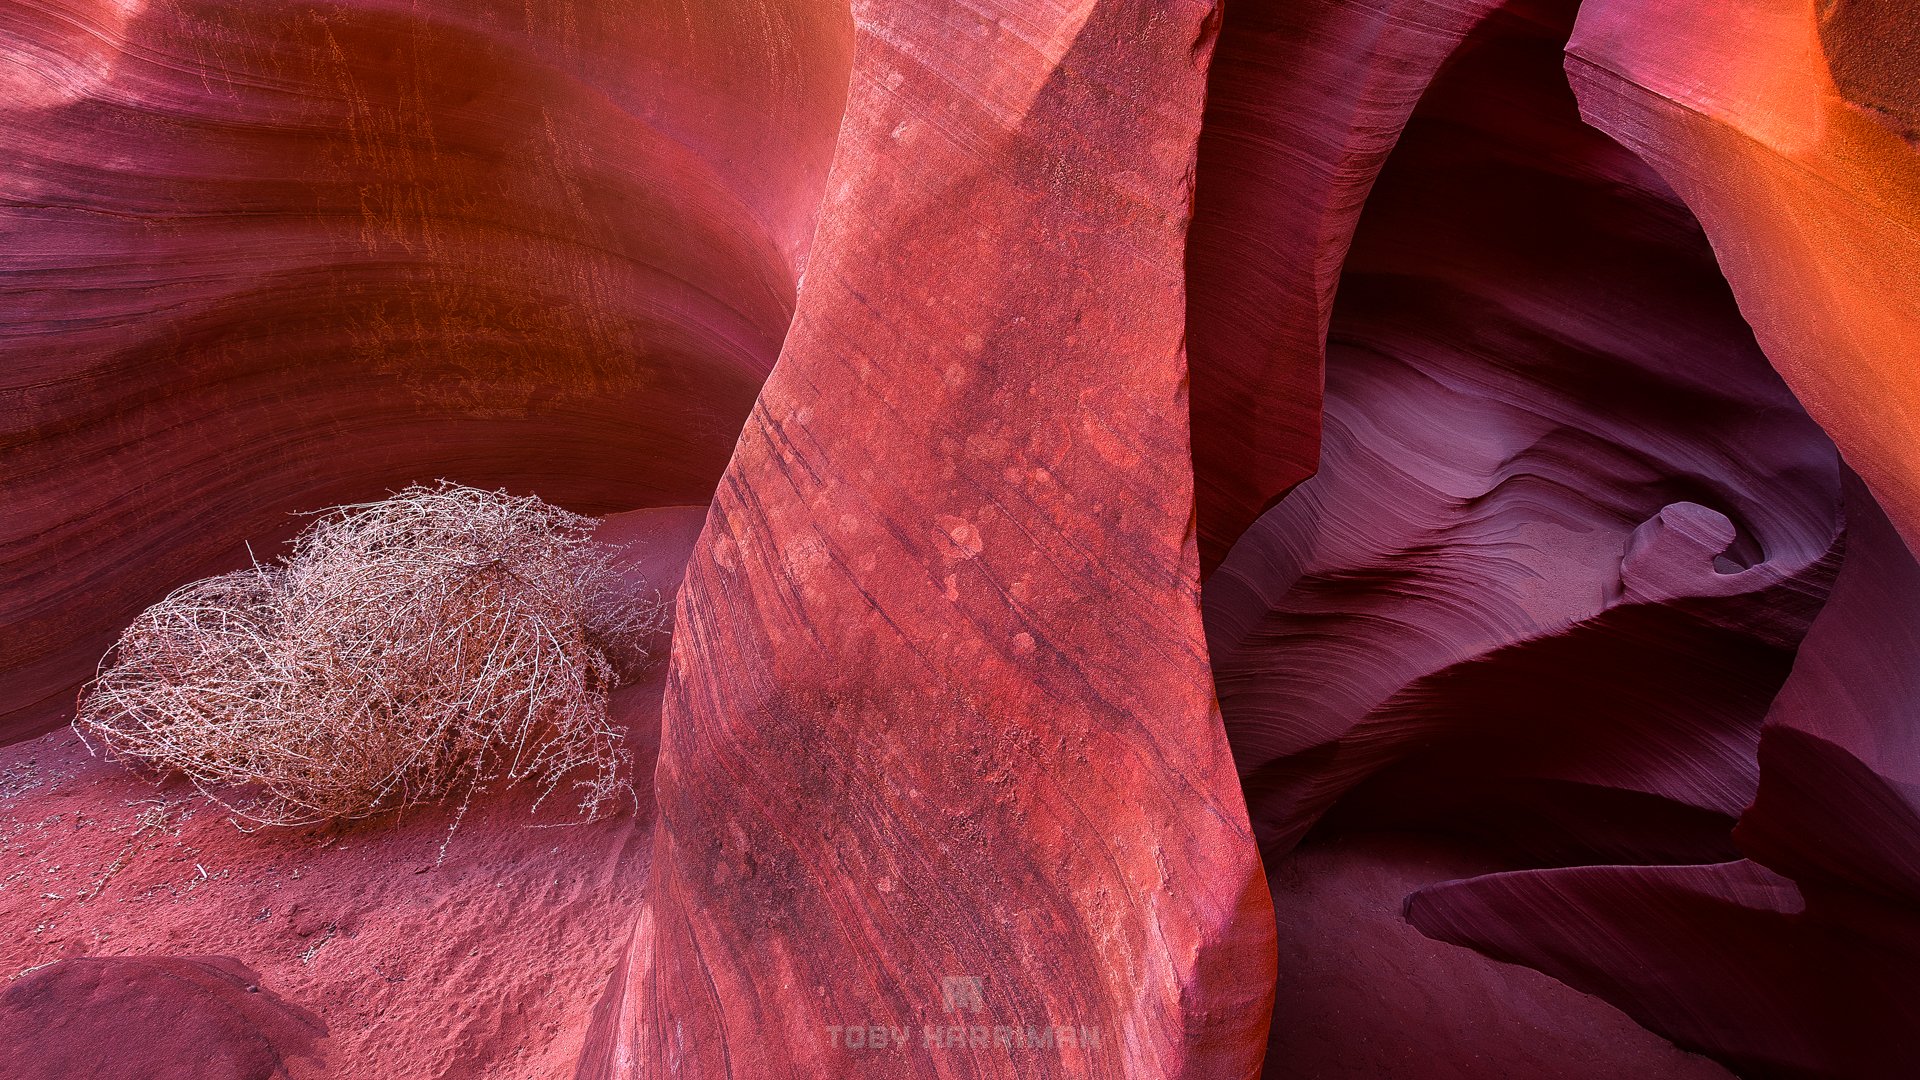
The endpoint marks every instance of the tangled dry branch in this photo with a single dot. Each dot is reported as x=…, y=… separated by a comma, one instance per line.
x=428, y=644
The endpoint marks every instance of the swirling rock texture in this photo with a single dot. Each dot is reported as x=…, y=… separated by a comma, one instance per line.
x=939, y=715
x=1567, y=534
x=1795, y=961
x=266, y=257
x=1549, y=451
x=1559, y=483
x=1304, y=102
x=1789, y=129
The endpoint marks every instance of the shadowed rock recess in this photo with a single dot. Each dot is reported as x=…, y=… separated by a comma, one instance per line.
x=1568, y=533
x=262, y=258
x=1533, y=384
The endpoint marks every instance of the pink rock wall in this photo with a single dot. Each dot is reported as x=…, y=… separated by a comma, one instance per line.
x=939, y=706
x=1304, y=102
x=1569, y=525
x=1568, y=532
x=1533, y=382
x=261, y=258
x=1811, y=199
x=1793, y=960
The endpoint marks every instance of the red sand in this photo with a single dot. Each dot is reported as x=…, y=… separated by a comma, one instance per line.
x=484, y=965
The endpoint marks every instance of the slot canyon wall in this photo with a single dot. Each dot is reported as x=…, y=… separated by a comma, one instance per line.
x=262, y=258
x=1335, y=538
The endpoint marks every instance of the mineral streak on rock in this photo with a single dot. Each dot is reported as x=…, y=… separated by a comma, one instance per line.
x=939, y=749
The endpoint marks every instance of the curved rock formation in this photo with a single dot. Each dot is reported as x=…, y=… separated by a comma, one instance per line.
x=1570, y=530
x=942, y=791
x=1808, y=187
x=1363, y=995
x=1796, y=962
x=1569, y=525
x=264, y=257
x=1514, y=329
x=1304, y=100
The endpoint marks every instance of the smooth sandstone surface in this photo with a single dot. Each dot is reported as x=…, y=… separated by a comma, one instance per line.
x=1506, y=369
x=939, y=714
x=1793, y=961
x=1305, y=100
x=156, y=1017
x=1569, y=535
x=1569, y=525
x=1363, y=994
x=1808, y=188
x=263, y=258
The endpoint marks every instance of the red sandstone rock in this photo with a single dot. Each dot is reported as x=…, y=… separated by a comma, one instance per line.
x=1811, y=199
x=1568, y=533
x=939, y=723
x=1362, y=994
x=1796, y=961
x=478, y=954
x=1570, y=525
x=484, y=964
x=154, y=1018
x=264, y=257
x=1304, y=101
x=939, y=732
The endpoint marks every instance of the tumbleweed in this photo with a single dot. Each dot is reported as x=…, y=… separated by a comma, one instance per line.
x=404, y=650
